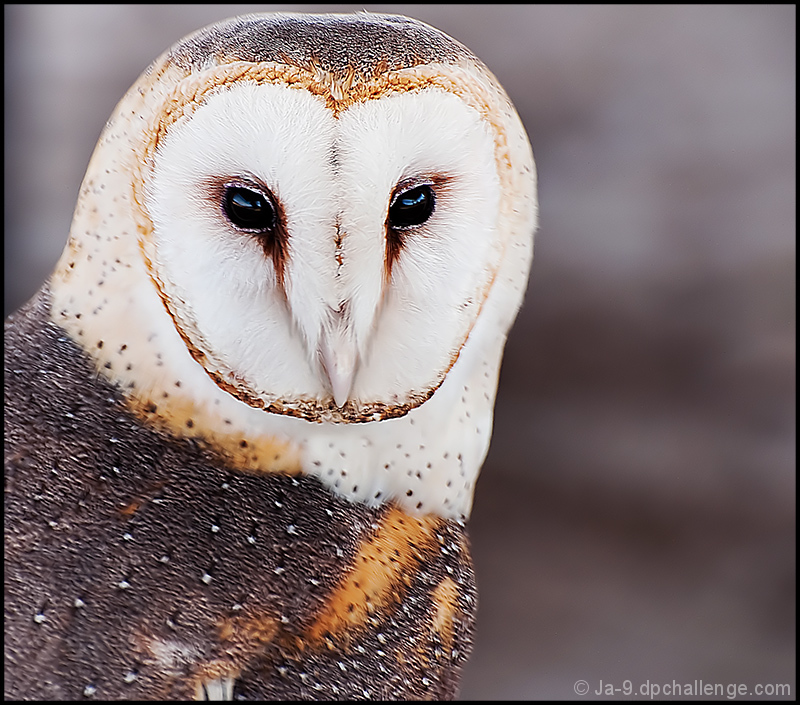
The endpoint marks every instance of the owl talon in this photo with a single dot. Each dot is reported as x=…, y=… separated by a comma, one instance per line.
x=218, y=689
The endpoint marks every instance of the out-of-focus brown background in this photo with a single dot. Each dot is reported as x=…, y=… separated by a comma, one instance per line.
x=635, y=517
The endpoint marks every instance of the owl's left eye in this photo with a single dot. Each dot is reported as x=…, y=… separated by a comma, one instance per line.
x=248, y=209
x=411, y=207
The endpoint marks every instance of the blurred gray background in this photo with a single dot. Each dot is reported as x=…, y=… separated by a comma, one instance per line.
x=635, y=518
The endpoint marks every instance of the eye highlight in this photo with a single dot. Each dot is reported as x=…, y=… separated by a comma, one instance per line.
x=411, y=207
x=248, y=209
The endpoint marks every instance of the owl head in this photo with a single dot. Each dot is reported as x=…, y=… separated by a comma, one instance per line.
x=320, y=227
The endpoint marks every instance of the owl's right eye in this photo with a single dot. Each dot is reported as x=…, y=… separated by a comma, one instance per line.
x=249, y=210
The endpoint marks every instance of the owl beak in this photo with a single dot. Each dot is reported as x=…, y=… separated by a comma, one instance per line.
x=340, y=359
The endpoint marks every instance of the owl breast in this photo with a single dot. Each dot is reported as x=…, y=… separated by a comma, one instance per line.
x=138, y=567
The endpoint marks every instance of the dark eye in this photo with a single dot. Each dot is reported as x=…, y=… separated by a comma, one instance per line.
x=249, y=209
x=412, y=207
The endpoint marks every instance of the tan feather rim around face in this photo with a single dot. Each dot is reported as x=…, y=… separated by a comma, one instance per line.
x=339, y=93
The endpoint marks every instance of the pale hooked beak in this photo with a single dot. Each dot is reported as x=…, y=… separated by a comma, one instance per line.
x=340, y=359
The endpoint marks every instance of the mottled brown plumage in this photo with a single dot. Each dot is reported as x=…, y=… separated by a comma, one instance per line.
x=121, y=541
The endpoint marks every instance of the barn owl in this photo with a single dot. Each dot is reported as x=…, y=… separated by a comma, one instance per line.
x=246, y=413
